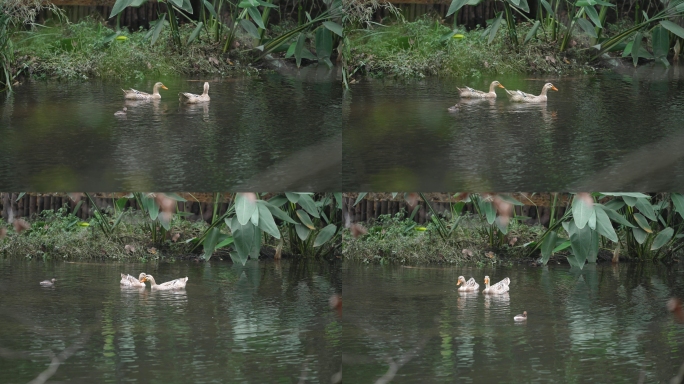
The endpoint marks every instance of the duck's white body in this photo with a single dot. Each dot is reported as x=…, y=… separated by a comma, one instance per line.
x=130, y=281
x=193, y=98
x=498, y=288
x=468, y=286
x=173, y=284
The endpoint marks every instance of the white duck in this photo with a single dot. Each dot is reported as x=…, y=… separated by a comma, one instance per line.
x=498, y=288
x=130, y=281
x=468, y=286
x=193, y=98
x=173, y=284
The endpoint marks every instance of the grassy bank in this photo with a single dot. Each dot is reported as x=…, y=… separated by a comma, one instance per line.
x=425, y=48
x=87, y=49
x=397, y=239
x=62, y=236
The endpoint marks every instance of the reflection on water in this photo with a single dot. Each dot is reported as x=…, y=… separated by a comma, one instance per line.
x=65, y=136
x=616, y=130
x=261, y=323
x=602, y=324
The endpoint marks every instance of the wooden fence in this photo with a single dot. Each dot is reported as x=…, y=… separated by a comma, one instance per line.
x=35, y=203
x=374, y=205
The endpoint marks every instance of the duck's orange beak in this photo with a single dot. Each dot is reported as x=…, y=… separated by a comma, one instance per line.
x=554, y=88
x=144, y=279
x=459, y=282
x=164, y=86
x=501, y=86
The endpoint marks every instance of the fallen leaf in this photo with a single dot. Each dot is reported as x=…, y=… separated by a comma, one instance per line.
x=513, y=241
x=152, y=250
x=358, y=230
x=129, y=248
x=20, y=225
x=175, y=237
x=551, y=59
x=490, y=254
x=467, y=252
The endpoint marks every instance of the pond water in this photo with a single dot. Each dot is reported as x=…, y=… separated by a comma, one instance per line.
x=263, y=323
x=604, y=324
x=271, y=131
x=616, y=130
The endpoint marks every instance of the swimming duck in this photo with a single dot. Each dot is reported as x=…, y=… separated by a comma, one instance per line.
x=522, y=317
x=468, y=92
x=470, y=285
x=48, y=283
x=173, y=284
x=522, y=97
x=193, y=98
x=130, y=281
x=137, y=95
x=500, y=287
x=454, y=108
x=121, y=112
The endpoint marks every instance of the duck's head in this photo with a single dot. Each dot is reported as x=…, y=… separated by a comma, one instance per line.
x=160, y=85
x=486, y=279
x=550, y=86
x=53, y=280
x=142, y=276
x=461, y=279
x=525, y=313
x=496, y=83
x=206, y=86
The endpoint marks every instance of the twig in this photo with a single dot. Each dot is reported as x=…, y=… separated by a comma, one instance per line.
x=405, y=358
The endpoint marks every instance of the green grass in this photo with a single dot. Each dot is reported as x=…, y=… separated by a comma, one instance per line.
x=58, y=236
x=390, y=239
x=81, y=50
x=416, y=49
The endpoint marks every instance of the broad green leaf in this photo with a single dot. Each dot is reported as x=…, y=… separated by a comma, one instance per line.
x=250, y=28
x=662, y=238
x=306, y=220
x=186, y=6
x=644, y=206
x=254, y=219
x=174, y=196
x=210, y=7
x=266, y=222
x=584, y=243
x=503, y=228
x=243, y=236
x=670, y=26
x=639, y=235
x=629, y=200
x=157, y=29
x=256, y=16
x=244, y=208
x=547, y=246
x=587, y=27
x=592, y=220
x=524, y=6
x=455, y=6
x=277, y=212
x=642, y=222
x=678, y=201
x=238, y=259
x=299, y=49
x=333, y=27
x=510, y=199
x=119, y=6
x=547, y=6
x=338, y=199
x=603, y=224
x=515, y=3
x=563, y=245
x=325, y=234
x=210, y=242
x=623, y=194
x=489, y=211
x=265, y=4
x=248, y=3
x=151, y=206
x=302, y=231
x=581, y=212
x=277, y=201
x=324, y=44
x=618, y=218
x=195, y=33
x=636, y=46
x=293, y=197
x=532, y=32
x=495, y=28
x=615, y=204
x=306, y=202
x=593, y=15
x=661, y=43
x=224, y=240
